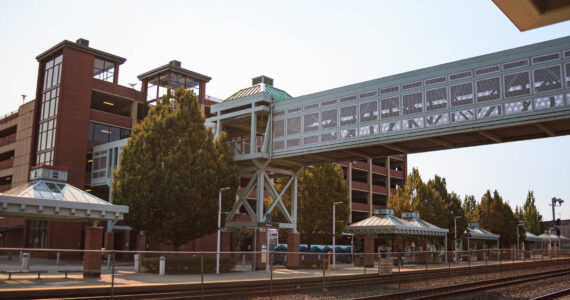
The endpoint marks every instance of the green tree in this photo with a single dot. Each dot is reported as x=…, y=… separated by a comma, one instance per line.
x=408, y=195
x=171, y=170
x=469, y=205
x=318, y=188
x=496, y=216
x=530, y=215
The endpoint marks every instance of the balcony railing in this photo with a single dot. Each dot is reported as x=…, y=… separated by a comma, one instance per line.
x=242, y=145
x=6, y=164
x=8, y=139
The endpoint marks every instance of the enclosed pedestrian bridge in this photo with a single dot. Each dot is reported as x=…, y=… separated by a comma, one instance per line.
x=512, y=95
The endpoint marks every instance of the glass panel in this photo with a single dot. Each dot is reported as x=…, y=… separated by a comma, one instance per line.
x=412, y=103
x=390, y=107
x=311, y=139
x=436, y=99
x=329, y=136
x=125, y=133
x=115, y=134
x=329, y=118
x=547, y=79
x=348, y=133
x=102, y=133
x=311, y=122
x=488, y=89
x=413, y=123
x=517, y=84
x=278, y=128
x=348, y=115
x=369, y=111
x=293, y=126
x=461, y=94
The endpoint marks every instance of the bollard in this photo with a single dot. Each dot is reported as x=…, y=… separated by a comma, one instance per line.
x=20, y=259
x=108, y=261
x=25, y=261
x=243, y=260
x=162, y=266
x=137, y=263
x=57, y=258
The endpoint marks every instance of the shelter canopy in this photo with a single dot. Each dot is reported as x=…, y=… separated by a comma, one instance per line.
x=478, y=233
x=384, y=222
x=48, y=197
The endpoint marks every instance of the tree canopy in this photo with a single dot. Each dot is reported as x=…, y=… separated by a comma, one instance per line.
x=318, y=188
x=530, y=216
x=171, y=171
x=496, y=216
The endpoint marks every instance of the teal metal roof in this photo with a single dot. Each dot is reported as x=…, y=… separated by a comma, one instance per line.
x=278, y=95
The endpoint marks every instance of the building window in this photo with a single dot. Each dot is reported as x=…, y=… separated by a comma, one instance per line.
x=37, y=233
x=48, y=112
x=104, y=70
x=101, y=133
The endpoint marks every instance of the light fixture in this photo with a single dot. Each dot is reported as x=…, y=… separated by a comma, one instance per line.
x=88, y=190
x=109, y=103
x=105, y=131
x=89, y=160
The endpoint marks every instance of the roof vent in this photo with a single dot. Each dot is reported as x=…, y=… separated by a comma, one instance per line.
x=384, y=212
x=262, y=79
x=82, y=42
x=473, y=225
x=175, y=63
x=46, y=172
x=410, y=215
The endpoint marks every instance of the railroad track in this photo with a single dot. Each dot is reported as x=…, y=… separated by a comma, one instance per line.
x=247, y=289
x=472, y=287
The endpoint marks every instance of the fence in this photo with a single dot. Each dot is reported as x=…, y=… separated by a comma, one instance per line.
x=123, y=268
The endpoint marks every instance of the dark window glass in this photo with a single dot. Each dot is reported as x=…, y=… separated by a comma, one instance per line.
x=488, y=89
x=517, y=84
x=547, y=79
x=115, y=134
x=412, y=103
x=461, y=94
x=436, y=99
x=91, y=131
x=36, y=233
x=125, y=133
x=102, y=133
x=390, y=107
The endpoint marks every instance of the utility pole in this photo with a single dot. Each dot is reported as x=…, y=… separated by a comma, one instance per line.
x=553, y=204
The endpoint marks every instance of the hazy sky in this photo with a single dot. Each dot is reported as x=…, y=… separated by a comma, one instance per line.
x=306, y=46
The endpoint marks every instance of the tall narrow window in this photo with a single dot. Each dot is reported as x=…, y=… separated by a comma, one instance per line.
x=104, y=70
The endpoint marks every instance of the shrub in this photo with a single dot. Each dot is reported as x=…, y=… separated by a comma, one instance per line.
x=188, y=264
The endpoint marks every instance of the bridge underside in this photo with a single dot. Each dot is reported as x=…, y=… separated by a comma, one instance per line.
x=547, y=128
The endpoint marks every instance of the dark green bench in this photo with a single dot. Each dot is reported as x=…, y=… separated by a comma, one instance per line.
x=10, y=272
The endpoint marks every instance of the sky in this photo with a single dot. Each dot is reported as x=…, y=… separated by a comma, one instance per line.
x=306, y=47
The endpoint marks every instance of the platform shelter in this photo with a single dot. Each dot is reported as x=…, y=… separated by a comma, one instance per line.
x=385, y=228
x=48, y=197
x=552, y=242
x=532, y=242
x=481, y=237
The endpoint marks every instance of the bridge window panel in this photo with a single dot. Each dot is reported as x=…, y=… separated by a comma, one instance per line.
x=369, y=111
x=329, y=136
x=462, y=115
x=103, y=70
x=568, y=99
x=278, y=145
x=311, y=122
x=389, y=90
x=368, y=94
x=461, y=75
x=329, y=118
x=412, y=103
x=487, y=70
x=547, y=79
x=489, y=111
x=278, y=128
x=368, y=130
x=517, y=84
x=548, y=102
x=436, y=99
x=515, y=64
x=348, y=115
x=437, y=120
x=412, y=85
x=293, y=125
x=488, y=89
x=294, y=110
x=293, y=142
x=348, y=133
x=278, y=113
x=566, y=53
x=518, y=107
x=391, y=126
x=313, y=139
x=435, y=80
x=390, y=107
x=413, y=123
x=329, y=102
x=546, y=58
x=348, y=98
x=461, y=94
x=310, y=106
x=567, y=66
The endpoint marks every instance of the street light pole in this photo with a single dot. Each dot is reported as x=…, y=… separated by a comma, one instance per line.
x=455, y=232
x=333, y=233
x=518, y=235
x=219, y=227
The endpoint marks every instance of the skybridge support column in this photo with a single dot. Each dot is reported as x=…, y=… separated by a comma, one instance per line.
x=253, y=142
x=388, y=182
x=349, y=177
x=293, y=237
x=370, y=194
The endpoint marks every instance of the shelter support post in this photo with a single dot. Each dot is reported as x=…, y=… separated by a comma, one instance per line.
x=109, y=241
x=480, y=253
x=422, y=251
x=92, y=260
x=369, y=254
x=446, y=250
x=260, y=240
x=141, y=242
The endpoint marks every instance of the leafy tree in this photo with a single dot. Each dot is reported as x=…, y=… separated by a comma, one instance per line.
x=318, y=188
x=469, y=205
x=408, y=194
x=171, y=171
x=530, y=215
x=496, y=216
